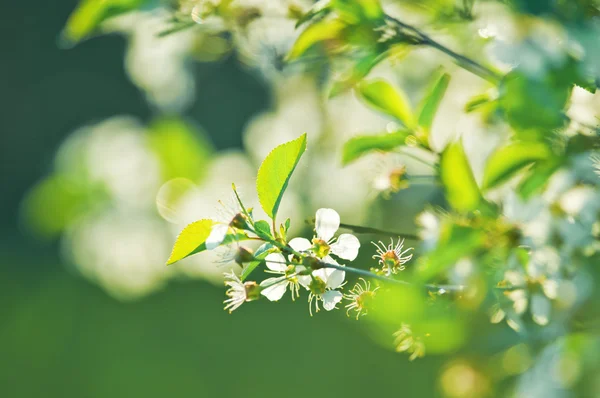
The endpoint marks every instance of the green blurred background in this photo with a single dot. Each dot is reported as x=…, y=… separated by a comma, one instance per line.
x=61, y=336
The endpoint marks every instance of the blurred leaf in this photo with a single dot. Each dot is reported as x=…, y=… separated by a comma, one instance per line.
x=89, y=14
x=275, y=172
x=505, y=162
x=320, y=9
x=359, y=146
x=477, y=102
x=192, y=238
x=383, y=97
x=182, y=150
x=457, y=177
x=431, y=102
x=327, y=29
x=261, y=253
x=456, y=242
x=538, y=177
x=353, y=11
x=53, y=204
x=360, y=69
x=533, y=106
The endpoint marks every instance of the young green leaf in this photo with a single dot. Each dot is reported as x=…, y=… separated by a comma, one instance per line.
x=263, y=228
x=275, y=172
x=457, y=177
x=431, y=102
x=361, y=145
x=327, y=29
x=192, y=238
x=382, y=96
x=89, y=14
x=507, y=161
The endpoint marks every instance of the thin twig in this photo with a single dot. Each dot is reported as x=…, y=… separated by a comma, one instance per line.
x=461, y=60
x=368, y=230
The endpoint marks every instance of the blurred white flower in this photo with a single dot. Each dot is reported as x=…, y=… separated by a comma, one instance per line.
x=157, y=65
x=122, y=252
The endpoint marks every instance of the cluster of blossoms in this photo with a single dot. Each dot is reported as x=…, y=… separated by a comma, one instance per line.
x=313, y=265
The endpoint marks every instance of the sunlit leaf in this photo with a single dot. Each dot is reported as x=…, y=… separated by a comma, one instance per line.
x=457, y=177
x=89, y=14
x=192, y=239
x=431, y=101
x=354, y=11
x=383, y=97
x=327, y=29
x=275, y=172
x=507, y=161
x=359, y=146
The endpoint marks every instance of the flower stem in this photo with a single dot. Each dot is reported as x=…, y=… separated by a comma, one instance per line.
x=462, y=61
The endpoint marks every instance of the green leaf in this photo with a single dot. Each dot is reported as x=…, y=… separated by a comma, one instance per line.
x=356, y=147
x=538, y=177
x=327, y=29
x=456, y=242
x=431, y=102
x=477, y=102
x=183, y=151
x=89, y=14
x=380, y=95
x=263, y=228
x=192, y=238
x=457, y=177
x=507, y=161
x=260, y=254
x=354, y=11
x=275, y=172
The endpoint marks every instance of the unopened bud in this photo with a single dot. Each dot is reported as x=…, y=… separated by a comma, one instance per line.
x=240, y=221
x=244, y=255
x=312, y=263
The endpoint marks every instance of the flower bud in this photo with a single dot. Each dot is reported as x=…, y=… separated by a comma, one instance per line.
x=244, y=255
x=240, y=221
x=312, y=263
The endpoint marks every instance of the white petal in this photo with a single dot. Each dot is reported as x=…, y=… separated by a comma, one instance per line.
x=326, y=223
x=540, y=309
x=300, y=244
x=276, y=262
x=333, y=277
x=217, y=235
x=330, y=299
x=304, y=280
x=346, y=247
x=276, y=290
